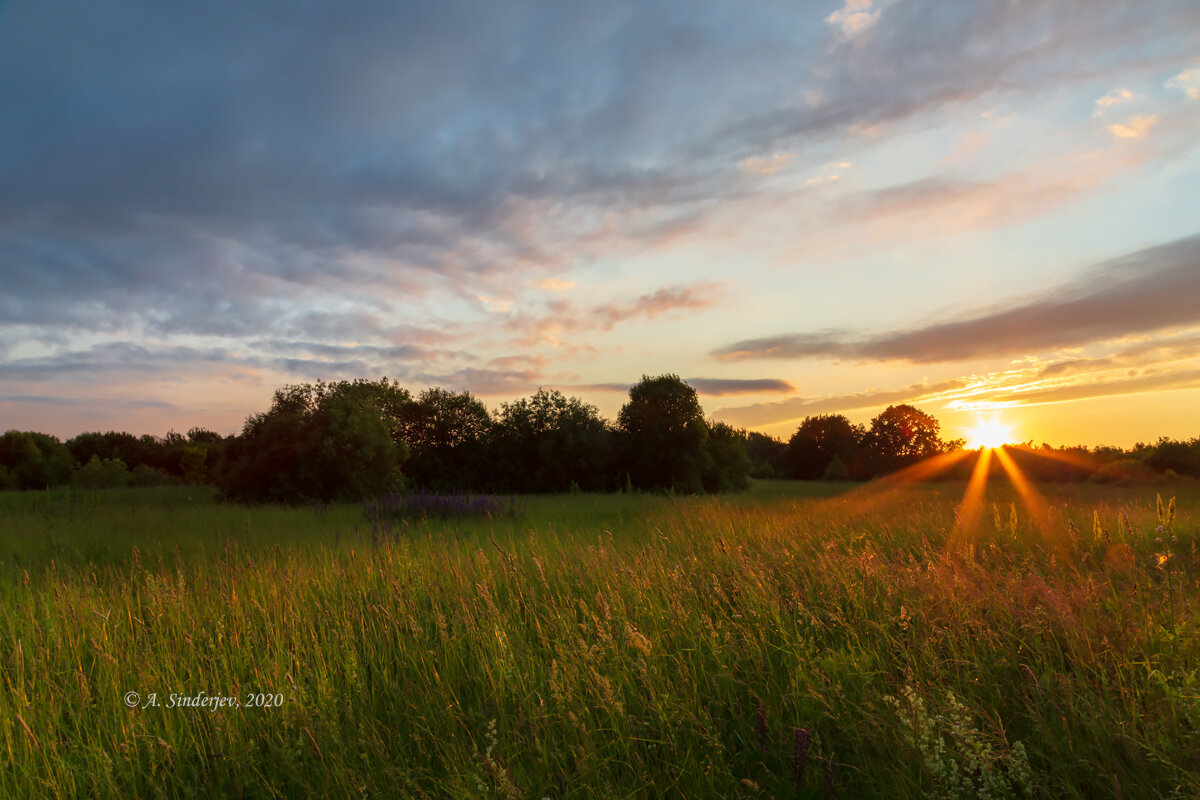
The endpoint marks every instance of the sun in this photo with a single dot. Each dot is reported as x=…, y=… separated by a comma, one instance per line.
x=990, y=434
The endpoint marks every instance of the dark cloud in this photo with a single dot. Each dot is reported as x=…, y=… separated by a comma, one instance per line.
x=1132, y=382
x=922, y=55
x=1151, y=290
x=720, y=387
x=618, y=388
x=111, y=402
x=713, y=387
x=560, y=316
x=176, y=362
x=220, y=169
x=795, y=408
x=487, y=381
x=649, y=306
x=117, y=358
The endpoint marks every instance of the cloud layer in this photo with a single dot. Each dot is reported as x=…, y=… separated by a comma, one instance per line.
x=1150, y=290
x=506, y=195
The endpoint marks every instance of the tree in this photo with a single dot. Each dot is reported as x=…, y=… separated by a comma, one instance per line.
x=766, y=455
x=34, y=460
x=1181, y=457
x=728, y=466
x=323, y=441
x=102, y=474
x=664, y=435
x=549, y=442
x=193, y=464
x=818, y=443
x=900, y=436
x=447, y=433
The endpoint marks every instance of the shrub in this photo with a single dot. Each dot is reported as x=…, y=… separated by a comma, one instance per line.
x=97, y=473
x=1127, y=470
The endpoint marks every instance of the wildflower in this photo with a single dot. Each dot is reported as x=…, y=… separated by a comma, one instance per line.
x=760, y=726
x=800, y=741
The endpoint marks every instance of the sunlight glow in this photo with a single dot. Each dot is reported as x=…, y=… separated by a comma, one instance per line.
x=989, y=434
x=971, y=509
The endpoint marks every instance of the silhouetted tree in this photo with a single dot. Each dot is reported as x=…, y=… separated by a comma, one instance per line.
x=727, y=465
x=900, y=436
x=34, y=460
x=663, y=435
x=818, y=443
x=547, y=442
x=323, y=441
x=112, y=444
x=767, y=455
x=1181, y=457
x=447, y=433
x=107, y=474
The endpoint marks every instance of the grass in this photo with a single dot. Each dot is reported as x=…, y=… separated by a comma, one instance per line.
x=798, y=640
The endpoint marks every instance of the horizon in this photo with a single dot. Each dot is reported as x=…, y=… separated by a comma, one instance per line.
x=986, y=212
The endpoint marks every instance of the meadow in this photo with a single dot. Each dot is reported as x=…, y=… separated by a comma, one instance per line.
x=796, y=640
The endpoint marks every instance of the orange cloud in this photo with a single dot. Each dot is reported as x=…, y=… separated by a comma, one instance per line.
x=1115, y=97
x=1188, y=82
x=1135, y=128
x=854, y=17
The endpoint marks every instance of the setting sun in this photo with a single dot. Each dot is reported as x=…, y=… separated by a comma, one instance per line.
x=989, y=433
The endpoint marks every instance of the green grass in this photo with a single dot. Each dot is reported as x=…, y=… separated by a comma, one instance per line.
x=605, y=646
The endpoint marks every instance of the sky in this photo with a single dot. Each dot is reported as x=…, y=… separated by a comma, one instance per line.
x=988, y=210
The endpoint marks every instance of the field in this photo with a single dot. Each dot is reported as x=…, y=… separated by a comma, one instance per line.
x=798, y=640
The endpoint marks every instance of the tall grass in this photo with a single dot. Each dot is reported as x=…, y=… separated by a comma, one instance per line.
x=778, y=643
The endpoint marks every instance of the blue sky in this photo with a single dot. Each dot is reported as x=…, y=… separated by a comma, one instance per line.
x=979, y=208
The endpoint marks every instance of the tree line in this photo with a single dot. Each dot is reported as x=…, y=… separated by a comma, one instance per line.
x=348, y=440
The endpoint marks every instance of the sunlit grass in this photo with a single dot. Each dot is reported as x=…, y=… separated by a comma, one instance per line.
x=778, y=643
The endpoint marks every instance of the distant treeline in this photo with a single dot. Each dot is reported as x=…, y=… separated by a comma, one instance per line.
x=349, y=440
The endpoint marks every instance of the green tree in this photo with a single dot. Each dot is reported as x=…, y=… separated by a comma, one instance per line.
x=323, y=441
x=547, y=442
x=767, y=455
x=447, y=433
x=901, y=436
x=35, y=460
x=664, y=436
x=818, y=442
x=728, y=466
x=109, y=473
x=192, y=464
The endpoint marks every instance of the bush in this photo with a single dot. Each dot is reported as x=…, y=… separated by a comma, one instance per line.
x=108, y=473
x=1122, y=472
x=145, y=475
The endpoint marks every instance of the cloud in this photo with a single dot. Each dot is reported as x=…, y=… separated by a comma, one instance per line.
x=794, y=408
x=238, y=172
x=560, y=317
x=247, y=164
x=854, y=17
x=662, y=301
x=1150, y=290
x=112, y=402
x=496, y=305
x=555, y=284
x=1188, y=82
x=1115, y=97
x=721, y=387
x=487, y=381
x=1134, y=128
x=766, y=166
x=620, y=388
x=1161, y=364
